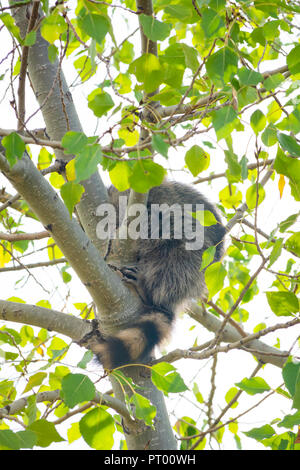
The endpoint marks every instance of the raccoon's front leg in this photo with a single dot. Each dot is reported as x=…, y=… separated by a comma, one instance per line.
x=130, y=275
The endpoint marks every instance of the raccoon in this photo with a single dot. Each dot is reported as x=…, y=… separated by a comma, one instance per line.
x=167, y=269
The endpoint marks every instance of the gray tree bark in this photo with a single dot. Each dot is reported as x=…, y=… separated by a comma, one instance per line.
x=116, y=305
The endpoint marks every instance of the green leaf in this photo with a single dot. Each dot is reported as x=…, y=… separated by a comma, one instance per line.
x=166, y=378
x=52, y=53
x=148, y=70
x=45, y=432
x=120, y=174
x=211, y=22
x=30, y=39
x=10, y=24
x=293, y=60
x=100, y=102
x=191, y=57
x=283, y=441
x=12, y=338
x=27, y=334
x=160, y=145
x=287, y=223
x=14, y=146
x=283, y=303
x=222, y=66
x=261, y=433
x=143, y=408
x=96, y=26
x=224, y=121
x=249, y=77
x=230, y=396
x=258, y=121
x=289, y=144
x=145, y=175
x=77, y=388
x=273, y=82
x=197, y=393
x=97, y=429
x=254, y=385
x=234, y=171
x=289, y=421
x=86, y=162
x=182, y=11
x=17, y=440
x=74, y=142
x=126, y=53
x=31, y=409
x=293, y=244
x=27, y=439
x=205, y=217
x=208, y=256
x=52, y=27
x=71, y=194
x=291, y=375
x=174, y=55
x=269, y=136
x=214, y=278
x=197, y=160
x=35, y=380
x=87, y=357
x=276, y=251
x=289, y=167
x=251, y=195
x=215, y=4
x=154, y=29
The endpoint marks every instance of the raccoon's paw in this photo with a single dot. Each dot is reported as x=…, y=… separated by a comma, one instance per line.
x=129, y=273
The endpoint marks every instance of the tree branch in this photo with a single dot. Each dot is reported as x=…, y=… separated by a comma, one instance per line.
x=105, y=287
x=41, y=264
x=23, y=67
x=74, y=328
x=263, y=352
x=250, y=166
x=13, y=237
x=53, y=395
x=60, y=116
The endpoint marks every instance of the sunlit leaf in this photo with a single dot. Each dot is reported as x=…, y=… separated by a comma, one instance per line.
x=97, y=429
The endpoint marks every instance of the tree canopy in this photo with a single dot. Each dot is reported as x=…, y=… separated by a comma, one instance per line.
x=129, y=93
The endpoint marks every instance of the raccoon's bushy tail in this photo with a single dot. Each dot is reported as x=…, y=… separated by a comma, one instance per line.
x=133, y=344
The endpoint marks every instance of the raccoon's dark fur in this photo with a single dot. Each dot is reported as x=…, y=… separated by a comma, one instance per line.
x=166, y=274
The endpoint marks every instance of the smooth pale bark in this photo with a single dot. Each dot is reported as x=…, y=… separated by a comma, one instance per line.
x=74, y=328
x=58, y=119
x=259, y=349
x=59, y=113
x=112, y=298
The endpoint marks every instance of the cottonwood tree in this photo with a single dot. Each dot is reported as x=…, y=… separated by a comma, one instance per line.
x=135, y=90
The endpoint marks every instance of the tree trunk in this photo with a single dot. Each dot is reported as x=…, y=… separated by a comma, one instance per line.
x=60, y=116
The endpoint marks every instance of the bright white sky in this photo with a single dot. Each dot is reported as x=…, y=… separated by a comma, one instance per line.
x=232, y=367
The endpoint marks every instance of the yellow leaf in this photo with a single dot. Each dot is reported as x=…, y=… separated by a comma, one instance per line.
x=4, y=257
x=44, y=158
x=274, y=112
x=53, y=251
x=40, y=351
x=70, y=170
x=281, y=185
x=56, y=180
x=130, y=137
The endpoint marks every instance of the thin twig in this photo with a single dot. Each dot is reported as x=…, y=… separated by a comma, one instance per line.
x=13, y=237
x=34, y=265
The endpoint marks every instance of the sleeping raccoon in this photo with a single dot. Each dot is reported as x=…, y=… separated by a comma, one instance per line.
x=166, y=274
